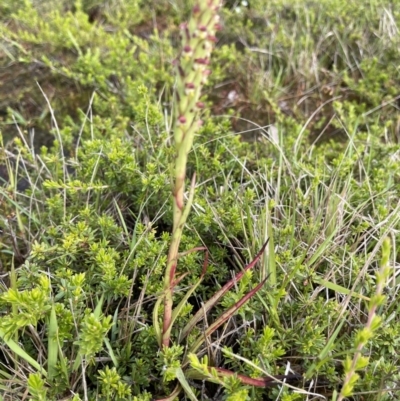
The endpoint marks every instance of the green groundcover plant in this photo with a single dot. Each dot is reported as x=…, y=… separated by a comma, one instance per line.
x=148, y=251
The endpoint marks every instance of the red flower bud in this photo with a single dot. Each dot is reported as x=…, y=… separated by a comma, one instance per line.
x=182, y=119
x=190, y=85
x=202, y=28
x=196, y=9
x=200, y=105
x=187, y=49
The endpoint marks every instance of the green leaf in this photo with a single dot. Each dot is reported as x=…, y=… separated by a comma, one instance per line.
x=339, y=288
x=99, y=306
x=111, y=352
x=185, y=385
x=53, y=345
x=20, y=352
x=156, y=325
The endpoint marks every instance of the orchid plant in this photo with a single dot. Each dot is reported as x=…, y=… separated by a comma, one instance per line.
x=198, y=38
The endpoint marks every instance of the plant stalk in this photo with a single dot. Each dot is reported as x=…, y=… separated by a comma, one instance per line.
x=198, y=38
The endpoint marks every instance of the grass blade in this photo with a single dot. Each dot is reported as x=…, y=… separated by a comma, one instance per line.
x=339, y=288
x=52, y=346
x=14, y=347
x=227, y=314
x=323, y=354
x=111, y=352
x=185, y=385
x=261, y=382
x=271, y=272
x=214, y=299
x=99, y=306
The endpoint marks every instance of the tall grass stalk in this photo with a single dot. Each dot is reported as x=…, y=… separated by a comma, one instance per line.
x=198, y=37
x=363, y=336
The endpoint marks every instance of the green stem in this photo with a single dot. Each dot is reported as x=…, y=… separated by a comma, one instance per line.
x=169, y=278
x=198, y=37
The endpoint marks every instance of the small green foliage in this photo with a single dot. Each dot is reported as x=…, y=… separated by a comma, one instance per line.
x=202, y=367
x=112, y=388
x=92, y=334
x=36, y=386
x=234, y=390
x=29, y=306
x=143, y=397
x=170, y=360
